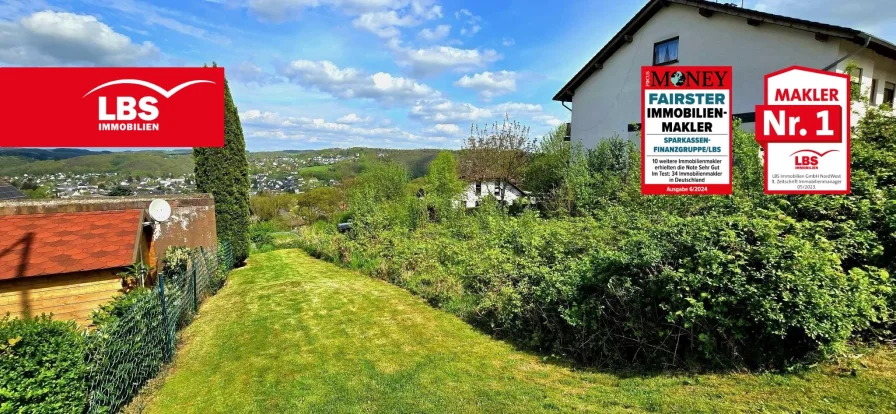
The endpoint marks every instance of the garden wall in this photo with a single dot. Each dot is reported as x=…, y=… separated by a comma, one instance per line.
x=192, y=222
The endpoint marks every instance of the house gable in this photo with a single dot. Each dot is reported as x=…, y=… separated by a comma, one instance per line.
x=820, y=31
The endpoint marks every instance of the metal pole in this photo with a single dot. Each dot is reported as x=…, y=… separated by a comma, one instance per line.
x=164, y=317
x=195, y=292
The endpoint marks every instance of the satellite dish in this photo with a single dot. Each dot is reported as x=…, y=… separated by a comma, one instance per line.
x=159, y=210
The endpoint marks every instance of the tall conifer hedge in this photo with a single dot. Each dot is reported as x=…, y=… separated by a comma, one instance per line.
x=224, y=172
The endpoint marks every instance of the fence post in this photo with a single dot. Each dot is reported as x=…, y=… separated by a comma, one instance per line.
x=195, y=290
x=164, y=316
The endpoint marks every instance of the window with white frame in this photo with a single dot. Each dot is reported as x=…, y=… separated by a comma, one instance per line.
x=665, y=52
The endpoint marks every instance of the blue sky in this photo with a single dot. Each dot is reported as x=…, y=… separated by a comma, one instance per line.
x=376, y=73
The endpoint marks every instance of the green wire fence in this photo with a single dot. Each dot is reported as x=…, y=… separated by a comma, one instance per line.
x=140, y=336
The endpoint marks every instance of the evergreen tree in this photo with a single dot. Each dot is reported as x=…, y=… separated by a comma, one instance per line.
x=224, y=172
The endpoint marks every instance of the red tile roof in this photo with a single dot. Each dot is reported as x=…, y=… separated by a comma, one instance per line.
x=46, y=244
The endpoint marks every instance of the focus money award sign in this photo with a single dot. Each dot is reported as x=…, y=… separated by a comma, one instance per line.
x=803, y=128
x=686, y=129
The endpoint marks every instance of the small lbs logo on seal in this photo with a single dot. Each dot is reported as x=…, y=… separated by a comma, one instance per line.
x=803, y=128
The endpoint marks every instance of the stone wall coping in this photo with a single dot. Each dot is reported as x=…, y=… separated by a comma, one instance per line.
x=83, y=204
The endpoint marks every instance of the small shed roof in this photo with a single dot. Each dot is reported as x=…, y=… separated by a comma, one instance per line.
x=47, y=244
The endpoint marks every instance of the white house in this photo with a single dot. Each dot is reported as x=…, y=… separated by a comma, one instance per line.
x=477, y=190
x=606, y=95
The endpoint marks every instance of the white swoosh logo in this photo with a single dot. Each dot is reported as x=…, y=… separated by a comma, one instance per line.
x=149, y=85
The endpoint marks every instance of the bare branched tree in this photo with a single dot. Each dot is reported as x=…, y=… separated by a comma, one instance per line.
x=499, y=153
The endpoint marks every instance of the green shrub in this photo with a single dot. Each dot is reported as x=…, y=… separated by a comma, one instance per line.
x=731, y=289
x=42, y=366
x=260, y=233
x=614, y=277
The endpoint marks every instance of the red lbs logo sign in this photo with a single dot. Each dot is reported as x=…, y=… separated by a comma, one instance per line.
x=804, y=131
x=112, y=107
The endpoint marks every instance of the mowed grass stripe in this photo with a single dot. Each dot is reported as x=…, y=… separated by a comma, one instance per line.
x=290, y=333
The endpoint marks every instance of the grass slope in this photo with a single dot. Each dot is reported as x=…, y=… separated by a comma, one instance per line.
x=290, y=333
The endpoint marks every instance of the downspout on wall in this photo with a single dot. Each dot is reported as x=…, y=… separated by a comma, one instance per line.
x=836, y=62
x=568, y=135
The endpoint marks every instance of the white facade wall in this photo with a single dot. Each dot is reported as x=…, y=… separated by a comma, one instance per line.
x=511, y=193
x=874, y=67
x=609, y=100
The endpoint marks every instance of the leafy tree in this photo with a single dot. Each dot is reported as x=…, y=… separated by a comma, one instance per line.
x=121, y=190
x=498, y=153
x=28, y=185
x=545, y=172
x=319, y=204
x=39, y=192
x=224, y=172
x=266, y=206
x=558, y=174
x=442, y=180
x=378, y=194
x=442, y=186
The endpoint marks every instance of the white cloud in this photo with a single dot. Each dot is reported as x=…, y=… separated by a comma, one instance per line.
x=282, y=10
x=153, y=15
x=435, y=59
x=353, y=119
x=385, y=24
x=138, y=31
x=548, y=120
x=279, y=10
x=472, y=22
x=489, y=84
x=508, y=41
x=518, y=108
x=381, y=17
x=248, y=72
x=59, y=38
x=444, y=111
x=353, y=83
x=448, y=129
x=439, y=33
x=272, y=125
x=259, y=117
x=388, y=23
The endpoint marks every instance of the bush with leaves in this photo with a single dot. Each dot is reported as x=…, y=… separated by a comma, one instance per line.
x=42, y=367
x=615, y=277
x=443, y=188
x=260, y=233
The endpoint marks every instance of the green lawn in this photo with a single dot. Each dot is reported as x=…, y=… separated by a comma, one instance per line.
x=290, y=333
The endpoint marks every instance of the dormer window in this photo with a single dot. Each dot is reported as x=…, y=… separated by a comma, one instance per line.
x=665, y=52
